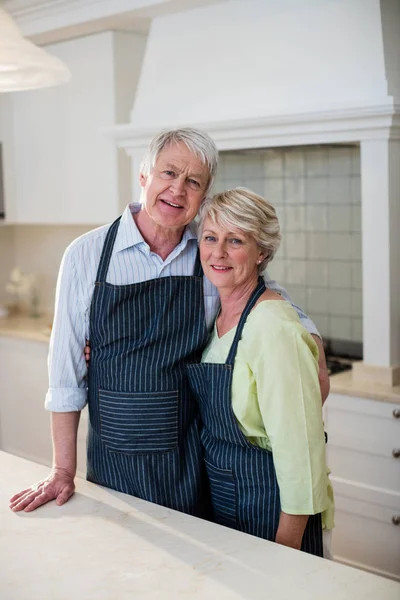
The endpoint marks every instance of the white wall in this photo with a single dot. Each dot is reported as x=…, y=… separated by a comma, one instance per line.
x=35, y=249
x=250, y=58
x=62, y=166
x=64, y=141
x=38, y=250
x=7, y=258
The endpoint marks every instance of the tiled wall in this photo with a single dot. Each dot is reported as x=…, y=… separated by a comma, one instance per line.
x=317, y=194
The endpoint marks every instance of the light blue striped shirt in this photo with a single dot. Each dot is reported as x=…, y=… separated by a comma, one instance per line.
x=131, y=262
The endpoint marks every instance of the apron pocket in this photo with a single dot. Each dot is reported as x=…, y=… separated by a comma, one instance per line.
x=223, y=495
x=139, y=422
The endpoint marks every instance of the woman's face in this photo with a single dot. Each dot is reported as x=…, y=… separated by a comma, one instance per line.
x=229, y=258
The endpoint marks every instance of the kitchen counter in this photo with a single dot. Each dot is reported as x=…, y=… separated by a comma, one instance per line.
x=108, y=546
x=343, y=383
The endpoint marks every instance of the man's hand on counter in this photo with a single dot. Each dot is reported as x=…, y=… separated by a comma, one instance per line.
x=58, y=486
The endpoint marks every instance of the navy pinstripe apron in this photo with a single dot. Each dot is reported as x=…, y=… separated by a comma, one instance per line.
x=244, y=487
x=144, y=431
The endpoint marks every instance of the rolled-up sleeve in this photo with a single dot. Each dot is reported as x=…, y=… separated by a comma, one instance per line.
x=290, y=404
x=66, y=362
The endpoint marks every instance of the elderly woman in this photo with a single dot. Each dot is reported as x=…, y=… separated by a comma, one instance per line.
x=257, y=386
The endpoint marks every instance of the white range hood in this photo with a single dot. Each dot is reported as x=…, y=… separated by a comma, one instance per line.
x=268, y=62
x=265, y=73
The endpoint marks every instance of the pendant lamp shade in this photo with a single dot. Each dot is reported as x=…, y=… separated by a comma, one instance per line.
x=24, y=66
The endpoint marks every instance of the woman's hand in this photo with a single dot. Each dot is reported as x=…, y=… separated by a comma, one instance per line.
x=290, y=530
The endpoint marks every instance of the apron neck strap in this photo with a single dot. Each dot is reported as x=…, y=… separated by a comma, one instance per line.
x=258, y=291
x=198, y=269
x=108, y=248
x=107, y=251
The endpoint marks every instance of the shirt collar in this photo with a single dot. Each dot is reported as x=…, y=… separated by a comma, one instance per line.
x=129, y=234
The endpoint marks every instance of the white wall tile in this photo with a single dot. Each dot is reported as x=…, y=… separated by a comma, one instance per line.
x=339, y=161
x=221, y=168
x=339, y=302
x=255, y=185
x=339, y=218
x=317, y=245
x=294, y=163
x=356, y=329
x=294, y=191
x=298, y=294
x=340, y=328
x=339, y=191
x=356, y=161
x=317, y=300
x=281, y=214
x=295, y=245
x=273, y=191
x=273, y=163
x=316, y=190
x=322, y=324
x=356, y=218
x=356, y=250
x=356, y=275
x=340, y=274
x=317, y=273
x=316, y=218
x=234, y=167
x=356, y=303
x=296, y=272
x=355, y=190
x=316, y=162
x=277, y=269
x=294, y=218
x=253, y=165
x=340, y=246
x=282, y=248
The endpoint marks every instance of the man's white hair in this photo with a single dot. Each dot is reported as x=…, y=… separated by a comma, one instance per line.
x=197, y=141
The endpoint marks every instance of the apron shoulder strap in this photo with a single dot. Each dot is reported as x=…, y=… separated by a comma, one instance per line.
x=198, y=269
x=107, y=251
x=258, y=291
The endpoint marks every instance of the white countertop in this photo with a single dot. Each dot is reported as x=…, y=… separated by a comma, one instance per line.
x=344, y=383
x=104, y=545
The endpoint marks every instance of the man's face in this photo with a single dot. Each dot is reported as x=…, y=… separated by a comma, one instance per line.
x=173, y=191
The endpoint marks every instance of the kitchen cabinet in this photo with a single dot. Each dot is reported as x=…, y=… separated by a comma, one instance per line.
x=363, y=453
x=24, y=422
x=60, y=164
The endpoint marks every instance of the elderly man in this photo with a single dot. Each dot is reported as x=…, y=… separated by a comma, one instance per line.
x=137, y=288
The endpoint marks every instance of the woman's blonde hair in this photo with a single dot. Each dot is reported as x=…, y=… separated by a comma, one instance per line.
x=246, y=211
